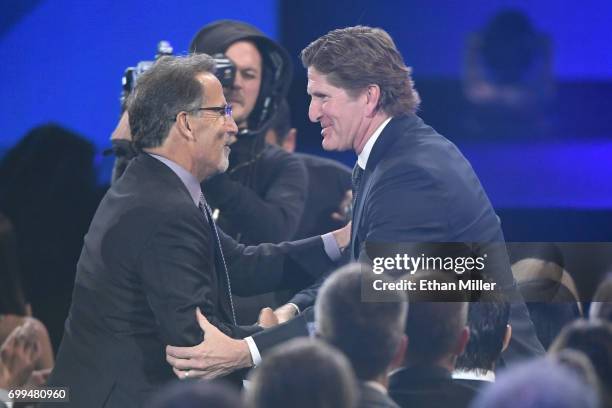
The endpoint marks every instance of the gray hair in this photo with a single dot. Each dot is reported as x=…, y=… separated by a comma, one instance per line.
x=167, y=88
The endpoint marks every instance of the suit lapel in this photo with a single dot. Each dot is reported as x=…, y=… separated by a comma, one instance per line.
x=390, y=133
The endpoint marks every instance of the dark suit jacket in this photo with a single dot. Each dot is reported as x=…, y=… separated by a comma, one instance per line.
x=149, y=259
x=417, y=187
x=328, y=181
x=428, y=387
x=369, y=397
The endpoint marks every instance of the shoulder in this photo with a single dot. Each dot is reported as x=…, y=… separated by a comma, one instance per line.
x=281, y=162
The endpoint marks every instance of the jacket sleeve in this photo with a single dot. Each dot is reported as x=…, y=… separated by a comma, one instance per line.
x=178, y=275
x=268, y=267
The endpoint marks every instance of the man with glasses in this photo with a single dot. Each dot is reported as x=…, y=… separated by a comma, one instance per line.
x=261, y=197
x=153, y=254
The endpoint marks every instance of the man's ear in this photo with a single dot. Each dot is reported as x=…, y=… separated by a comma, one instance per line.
x=290, y=141
x=183, y=126
x=399, y=359
x=507, y=337
x=372, y=99
x=462, y=341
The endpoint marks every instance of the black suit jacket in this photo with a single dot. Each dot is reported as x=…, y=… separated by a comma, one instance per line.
x=428, y=387
x=328, y=182
x=149, y=259
x=418, y=188
x=369, y=397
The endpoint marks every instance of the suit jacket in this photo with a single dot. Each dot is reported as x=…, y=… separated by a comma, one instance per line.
x=149, y=259
x=428, y=387
x=418, y=188
x=328, y=181
x=370, y=397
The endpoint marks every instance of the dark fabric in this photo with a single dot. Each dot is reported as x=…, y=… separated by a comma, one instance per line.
x=259, y=201
x=428, y=387
x=476, y=385
x=418, y=188
x=269, y=208
x=328, y=182
x=369, y=397
x=297, y=327
x=147, y=262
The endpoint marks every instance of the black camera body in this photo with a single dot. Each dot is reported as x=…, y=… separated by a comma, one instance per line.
x=225, y=70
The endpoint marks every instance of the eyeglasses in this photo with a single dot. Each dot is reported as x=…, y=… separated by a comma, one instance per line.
x=225, y=110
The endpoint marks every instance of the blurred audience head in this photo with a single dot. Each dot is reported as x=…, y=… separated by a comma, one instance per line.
x=537, y=384
x=489, y=332
x=549, y=291
x=594, y=339
x=551, y=307
x=601, y=306
x=578, y=363
x=303, y=373
x=196, y=394
x=437, y=331
x=12, y=300
x=354, y=326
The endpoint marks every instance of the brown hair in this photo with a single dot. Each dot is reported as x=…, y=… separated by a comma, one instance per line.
x=355, y=57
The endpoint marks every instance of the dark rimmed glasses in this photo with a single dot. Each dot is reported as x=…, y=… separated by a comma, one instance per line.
x=225, y=110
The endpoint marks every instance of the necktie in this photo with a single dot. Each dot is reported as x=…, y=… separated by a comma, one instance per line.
x=208, y=214
x=356, y=181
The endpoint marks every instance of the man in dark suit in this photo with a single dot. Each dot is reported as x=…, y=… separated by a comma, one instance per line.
x=370, y=334
x=490, y=334
x=153, y=254
x=411, y=184
x=437, y=334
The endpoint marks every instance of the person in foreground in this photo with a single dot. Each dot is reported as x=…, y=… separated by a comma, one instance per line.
x=153, y=253
x=370, y=334
x=411, y=184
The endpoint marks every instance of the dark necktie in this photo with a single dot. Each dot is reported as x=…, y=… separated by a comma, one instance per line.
x=356, y=181
x=208, y=214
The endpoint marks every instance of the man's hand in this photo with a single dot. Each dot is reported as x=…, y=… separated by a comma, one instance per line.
x=38, y=378
x=343, y=236
x=122, y=131
x=344, y=208
x=216, y=356
x=18, y=356
x=267, y=318
x=285, y=313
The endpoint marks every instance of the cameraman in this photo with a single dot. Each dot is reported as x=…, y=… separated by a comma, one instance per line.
x=261, y=196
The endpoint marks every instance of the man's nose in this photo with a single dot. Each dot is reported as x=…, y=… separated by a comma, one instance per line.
x=230, y=125
x=238, y=81
x=314, y=111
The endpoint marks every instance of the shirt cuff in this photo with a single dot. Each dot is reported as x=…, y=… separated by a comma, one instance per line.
x=255, y=356
x=297, y=308
x=331, y=246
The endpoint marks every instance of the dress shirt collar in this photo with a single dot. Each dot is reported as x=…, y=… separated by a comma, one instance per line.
x=189, y=180
x=362, y=158
x=487, y=375
x=377, y=386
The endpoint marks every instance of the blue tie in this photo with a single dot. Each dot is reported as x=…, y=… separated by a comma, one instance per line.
x=206, y=210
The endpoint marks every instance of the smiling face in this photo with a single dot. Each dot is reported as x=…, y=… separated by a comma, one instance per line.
x=246, y=57
x=341, y=116
x=213, y=131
